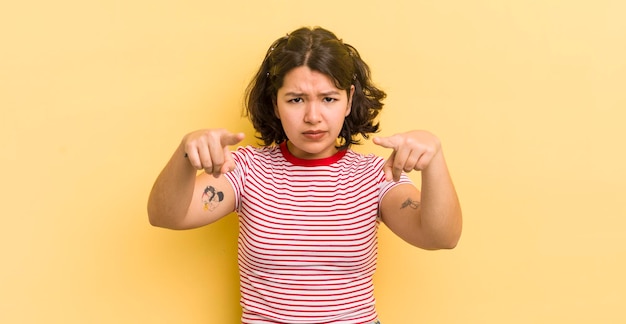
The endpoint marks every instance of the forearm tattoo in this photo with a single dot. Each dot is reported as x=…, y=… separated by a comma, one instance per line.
x=211, y=198
x=410, y=203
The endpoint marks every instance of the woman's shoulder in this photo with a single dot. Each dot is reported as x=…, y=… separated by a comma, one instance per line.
x=358, y=156
x=358, y=159
x=256, y=152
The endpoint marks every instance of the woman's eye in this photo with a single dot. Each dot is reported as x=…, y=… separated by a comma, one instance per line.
x=328, y=99
x=296, y=100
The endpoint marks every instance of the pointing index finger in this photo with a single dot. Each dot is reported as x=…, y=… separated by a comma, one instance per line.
x=231, y=139
x=386, y=142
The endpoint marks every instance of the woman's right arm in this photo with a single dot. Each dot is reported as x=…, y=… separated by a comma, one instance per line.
x=183, y=199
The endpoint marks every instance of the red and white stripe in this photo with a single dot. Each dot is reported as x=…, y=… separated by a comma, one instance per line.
x=307, y=246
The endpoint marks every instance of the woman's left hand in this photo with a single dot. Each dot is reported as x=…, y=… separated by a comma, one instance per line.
x=412, y=150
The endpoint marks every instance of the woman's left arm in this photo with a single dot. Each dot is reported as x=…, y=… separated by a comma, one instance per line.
x=430, y=219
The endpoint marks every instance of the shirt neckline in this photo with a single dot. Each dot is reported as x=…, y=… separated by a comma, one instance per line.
x=310, y=162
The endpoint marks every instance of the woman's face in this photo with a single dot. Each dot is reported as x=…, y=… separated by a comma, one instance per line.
x=311, y=110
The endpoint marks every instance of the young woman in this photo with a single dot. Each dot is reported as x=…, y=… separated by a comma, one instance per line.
x=309, y=206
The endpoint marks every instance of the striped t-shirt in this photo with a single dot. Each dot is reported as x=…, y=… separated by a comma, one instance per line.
x=307, y=246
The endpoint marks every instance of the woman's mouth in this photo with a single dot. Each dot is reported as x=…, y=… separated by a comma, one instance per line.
x=314, y=134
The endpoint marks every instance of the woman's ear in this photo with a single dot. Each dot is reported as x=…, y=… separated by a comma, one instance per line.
x=350, y=95
x=275, y=108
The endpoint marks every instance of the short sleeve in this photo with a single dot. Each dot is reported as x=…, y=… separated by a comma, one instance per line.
x=236, y=177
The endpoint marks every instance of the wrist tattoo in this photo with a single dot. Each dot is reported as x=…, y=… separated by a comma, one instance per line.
x=410, y=203
x=211, y=198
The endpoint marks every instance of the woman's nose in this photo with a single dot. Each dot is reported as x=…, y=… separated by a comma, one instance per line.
x=312, y=113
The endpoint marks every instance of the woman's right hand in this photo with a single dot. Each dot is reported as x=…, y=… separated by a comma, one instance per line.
x=208, y=149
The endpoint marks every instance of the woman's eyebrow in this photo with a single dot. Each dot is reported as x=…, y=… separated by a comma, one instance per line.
x=321, y=94
x=294, y=94
x=330, y=93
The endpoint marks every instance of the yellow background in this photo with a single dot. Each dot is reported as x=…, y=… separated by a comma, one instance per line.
x=528, y=97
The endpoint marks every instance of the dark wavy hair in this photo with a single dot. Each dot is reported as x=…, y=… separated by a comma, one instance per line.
x=320, y=50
